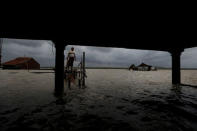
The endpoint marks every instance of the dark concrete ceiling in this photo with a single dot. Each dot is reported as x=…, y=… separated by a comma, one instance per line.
x=149, y=36
x=140, y=27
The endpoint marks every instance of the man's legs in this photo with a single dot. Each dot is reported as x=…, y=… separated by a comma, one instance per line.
x=67, y=65
x=71, y=68
x=71, y=63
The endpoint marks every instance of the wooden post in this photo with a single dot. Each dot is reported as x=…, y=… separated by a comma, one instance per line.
x=59, y=68
x=79, y=83
x=83, y=66
x=27, y=66
x=69, y=83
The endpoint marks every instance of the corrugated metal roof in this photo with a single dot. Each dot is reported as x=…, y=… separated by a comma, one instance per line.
x=17, y=61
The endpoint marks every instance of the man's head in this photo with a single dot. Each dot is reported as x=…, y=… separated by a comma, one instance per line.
x=72, y=48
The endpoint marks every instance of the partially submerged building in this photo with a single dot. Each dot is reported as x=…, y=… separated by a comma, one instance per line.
x=142, y=67
x=132, y=67
x=21, y=63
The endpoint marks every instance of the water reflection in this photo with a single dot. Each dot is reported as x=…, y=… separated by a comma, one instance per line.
x=176, y=90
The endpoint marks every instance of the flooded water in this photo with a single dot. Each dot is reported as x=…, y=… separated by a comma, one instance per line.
x=114, y=99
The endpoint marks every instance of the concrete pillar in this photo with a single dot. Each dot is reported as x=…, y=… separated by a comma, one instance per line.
x=83, y=65
x=176, y=67
x=59, y=68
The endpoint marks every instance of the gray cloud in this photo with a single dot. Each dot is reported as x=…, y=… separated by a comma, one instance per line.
x=95, y=56
x=29, y=43
x=189, y=58
x=122, y=57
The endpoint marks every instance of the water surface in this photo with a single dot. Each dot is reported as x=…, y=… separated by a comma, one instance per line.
x=114, y=99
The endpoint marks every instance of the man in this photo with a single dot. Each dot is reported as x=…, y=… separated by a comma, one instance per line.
x=70, y=58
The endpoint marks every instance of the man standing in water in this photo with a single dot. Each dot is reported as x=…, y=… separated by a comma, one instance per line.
x=70, y=58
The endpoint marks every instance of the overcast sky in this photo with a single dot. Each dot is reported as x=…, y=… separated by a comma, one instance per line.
x=44, y=52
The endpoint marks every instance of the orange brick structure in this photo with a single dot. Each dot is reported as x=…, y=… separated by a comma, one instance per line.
x=21, y=63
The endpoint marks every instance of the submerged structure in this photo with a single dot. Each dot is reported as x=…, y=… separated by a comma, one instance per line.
x=21, y=63
x=142, y=67
x=132, y=67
